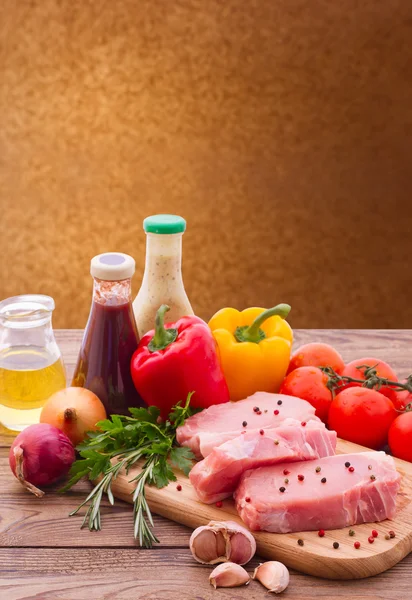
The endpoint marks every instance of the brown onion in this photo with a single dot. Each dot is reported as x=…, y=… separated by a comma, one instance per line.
x=40, y=455
x=75, y=411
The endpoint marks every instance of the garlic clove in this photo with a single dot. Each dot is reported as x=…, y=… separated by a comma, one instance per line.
x=273, y=575
x=222, y=541
x=229, y=575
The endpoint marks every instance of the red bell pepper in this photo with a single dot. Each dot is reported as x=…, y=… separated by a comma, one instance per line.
x=175, y=359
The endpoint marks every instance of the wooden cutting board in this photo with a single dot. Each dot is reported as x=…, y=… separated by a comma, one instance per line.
x=317, y=556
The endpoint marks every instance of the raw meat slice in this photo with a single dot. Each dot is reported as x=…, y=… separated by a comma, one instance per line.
x=222, y=422
x=217, y=476
x=346, y=498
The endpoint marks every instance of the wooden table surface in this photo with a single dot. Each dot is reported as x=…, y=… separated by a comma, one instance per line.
x=45, y=556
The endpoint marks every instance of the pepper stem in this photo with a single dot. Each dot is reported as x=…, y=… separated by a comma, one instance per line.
x=163, y=337
x=253, y=333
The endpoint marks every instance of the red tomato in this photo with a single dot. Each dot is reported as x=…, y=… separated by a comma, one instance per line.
x=400, y=436
x=316, y=355
x=309, y=383
x=362, y=416
x=402, y=399
x=382, y=369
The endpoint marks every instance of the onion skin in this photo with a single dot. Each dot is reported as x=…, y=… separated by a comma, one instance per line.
x=40, y=455
x=75, y=411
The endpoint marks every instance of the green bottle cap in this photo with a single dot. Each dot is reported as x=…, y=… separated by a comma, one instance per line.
x=164, y=224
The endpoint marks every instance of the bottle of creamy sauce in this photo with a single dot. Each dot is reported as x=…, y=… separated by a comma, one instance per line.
x=162, y=281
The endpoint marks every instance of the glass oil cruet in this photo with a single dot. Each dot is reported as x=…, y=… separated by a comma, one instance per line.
x=31, y=366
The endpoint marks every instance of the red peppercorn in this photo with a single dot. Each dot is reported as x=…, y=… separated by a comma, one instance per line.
x=276, y=412
x=247, y=499
x=286, y=472
x=261, y=432
x=374, y=533
x=259, y=412
x=321, y=532
x=219, y=504
x=179, y=487
x=303, y=423
x=392, y=534
x=301, y=477
x=243, y=432
x=357, y=545
x=351, y=469
x=255, y=409
x=371, y=539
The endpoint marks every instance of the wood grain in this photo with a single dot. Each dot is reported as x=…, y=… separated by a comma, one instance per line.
x=162, y=574
x=108, y=566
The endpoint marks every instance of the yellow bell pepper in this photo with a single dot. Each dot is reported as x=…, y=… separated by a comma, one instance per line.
x=254, y=348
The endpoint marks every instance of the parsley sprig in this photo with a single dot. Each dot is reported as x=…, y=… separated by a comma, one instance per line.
x=122, y=441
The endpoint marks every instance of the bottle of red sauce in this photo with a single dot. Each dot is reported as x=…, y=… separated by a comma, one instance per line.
x=110, y=337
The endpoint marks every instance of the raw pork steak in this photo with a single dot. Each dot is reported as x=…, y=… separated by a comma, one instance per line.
x=345, y=498
x=222, y=422
x=217, y=476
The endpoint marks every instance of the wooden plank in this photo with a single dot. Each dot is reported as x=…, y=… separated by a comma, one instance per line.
x=163, y=574
x=29, y=521
x=392, y=345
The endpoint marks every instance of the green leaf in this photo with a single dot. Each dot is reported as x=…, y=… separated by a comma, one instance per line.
x=182, y=458
x=162, y=473
x=145, y=415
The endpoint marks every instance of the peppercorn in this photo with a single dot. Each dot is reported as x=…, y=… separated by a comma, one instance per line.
x=261, y=432
x=347, y=464
x=336, y=545
x=286, y=472
x=276, y=442
x=276, y=412
x=286, y=480
x=303, y=423
x=374, y=533
x=371, y=539
x=321, y=532
x=357, y=545
x=351, y=532
x=255, y=409
x=318, y=469
x=323, y=480
x=259, y=412
x=373, y=477
x=219, y=504
x=179, y=487
x=370, y=467
x=244, y=424
x=351, y=469
x=392, y=534
x=387, y=536
x=279, y=402
x=265, y=411
x=300, y=542
x=282, y=489
x=247, y=499
x=301, y=477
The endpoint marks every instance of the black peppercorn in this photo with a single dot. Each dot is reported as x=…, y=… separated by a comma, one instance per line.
x=300, y=542
x=244, y=424
x=336, y=545
x=323, y=480
x=282, y=489
x=347, y=464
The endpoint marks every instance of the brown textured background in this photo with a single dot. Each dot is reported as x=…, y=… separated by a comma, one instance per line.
x=281, y=129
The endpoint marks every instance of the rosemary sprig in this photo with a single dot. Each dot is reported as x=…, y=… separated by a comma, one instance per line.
x=120, y=443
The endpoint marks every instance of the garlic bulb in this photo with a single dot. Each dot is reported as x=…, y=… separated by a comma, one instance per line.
x=229, y=575
x=273, y=575
x=222, y=542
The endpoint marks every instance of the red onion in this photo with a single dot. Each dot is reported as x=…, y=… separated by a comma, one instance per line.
x=40, y=455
